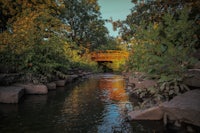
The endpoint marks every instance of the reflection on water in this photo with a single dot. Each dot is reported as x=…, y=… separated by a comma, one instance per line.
x=113, y=88
x=95, y=105
x=113, y=94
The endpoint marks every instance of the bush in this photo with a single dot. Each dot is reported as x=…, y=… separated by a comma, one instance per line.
x=164, y=48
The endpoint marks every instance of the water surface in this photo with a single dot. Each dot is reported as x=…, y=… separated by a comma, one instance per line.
x=95, y=105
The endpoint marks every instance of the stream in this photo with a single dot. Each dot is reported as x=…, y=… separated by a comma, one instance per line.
x=94, y=105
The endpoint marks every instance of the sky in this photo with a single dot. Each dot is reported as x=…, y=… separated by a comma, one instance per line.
x=115, y=9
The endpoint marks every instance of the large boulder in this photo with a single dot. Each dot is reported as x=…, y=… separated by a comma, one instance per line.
x=193, y=78
x=185, y=107
x=34, y=89
x=154, y=113
x=11, y=94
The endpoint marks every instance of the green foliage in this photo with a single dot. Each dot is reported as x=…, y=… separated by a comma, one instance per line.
x=83, y=17
x=45, y=58
x=110, y=44
x=36, y=36
x=152, y=11
x=11, y=10
x=163, y=50
x=51, y=58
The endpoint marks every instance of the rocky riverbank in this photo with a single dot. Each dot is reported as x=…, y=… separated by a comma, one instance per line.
x=13, y=92
x=178, y=111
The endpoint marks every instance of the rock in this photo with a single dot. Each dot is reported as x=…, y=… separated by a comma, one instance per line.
x=154, y=113
x=193, y=78
x=51, y=86
x=11, y=94
x=60, y=83
x=34, y=89
x=185, y=107
x=142, y=84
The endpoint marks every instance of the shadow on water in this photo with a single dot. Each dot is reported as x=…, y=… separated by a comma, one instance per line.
x=95, y=105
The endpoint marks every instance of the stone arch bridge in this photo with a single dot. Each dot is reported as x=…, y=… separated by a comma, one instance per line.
x=109, y=55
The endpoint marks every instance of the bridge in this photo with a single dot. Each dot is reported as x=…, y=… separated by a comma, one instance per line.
x=109, y=55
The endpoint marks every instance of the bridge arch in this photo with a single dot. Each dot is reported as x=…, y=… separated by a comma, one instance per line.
x=109, y=55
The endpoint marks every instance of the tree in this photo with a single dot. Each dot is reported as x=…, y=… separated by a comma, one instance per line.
x=83, y=17
x=10, y=10
x=33, y=38
x=29, y=22
x=152, y=11
x=165, y=23
x=162, y=35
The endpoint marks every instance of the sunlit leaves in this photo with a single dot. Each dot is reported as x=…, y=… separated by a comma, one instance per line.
x=12, y=9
